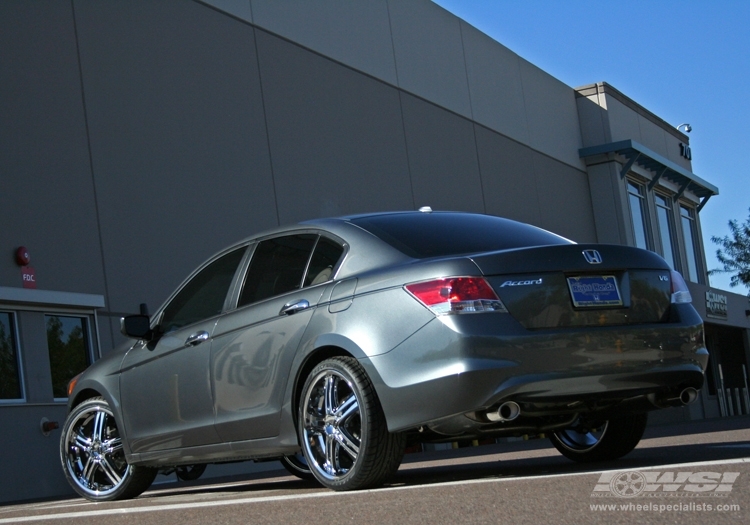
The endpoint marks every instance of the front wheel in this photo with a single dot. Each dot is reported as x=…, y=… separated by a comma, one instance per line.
x=600, y=440
x=93, y=458
x=342, y=428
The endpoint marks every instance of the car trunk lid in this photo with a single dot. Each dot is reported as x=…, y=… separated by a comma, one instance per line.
x=579, y=285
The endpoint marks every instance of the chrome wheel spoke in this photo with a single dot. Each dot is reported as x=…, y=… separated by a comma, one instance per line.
x=89, y=469
x=99, y=421
x=349, y=445
x=348, y=408
x=110, y=471
x=113, y=445
x=329, y=391
x=81, y=441
x=331, y=455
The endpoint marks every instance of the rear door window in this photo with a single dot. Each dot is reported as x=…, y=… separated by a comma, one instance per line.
x=277, y=267
x=324, y=260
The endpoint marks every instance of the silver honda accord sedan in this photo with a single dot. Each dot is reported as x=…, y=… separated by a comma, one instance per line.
x=333, y=344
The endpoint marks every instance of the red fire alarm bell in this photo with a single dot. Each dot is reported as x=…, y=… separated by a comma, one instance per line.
x=22, y=256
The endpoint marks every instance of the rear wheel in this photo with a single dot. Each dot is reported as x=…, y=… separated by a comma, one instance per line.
x=297, y=465
x=342, y=428
x=93, y=458
x=600, y=440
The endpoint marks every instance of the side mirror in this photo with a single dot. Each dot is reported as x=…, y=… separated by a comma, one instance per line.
x=136, y=326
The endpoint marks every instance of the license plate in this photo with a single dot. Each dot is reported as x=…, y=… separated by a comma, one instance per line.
x=594, y=290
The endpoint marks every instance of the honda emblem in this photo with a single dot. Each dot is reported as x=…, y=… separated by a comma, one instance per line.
x=592, y=256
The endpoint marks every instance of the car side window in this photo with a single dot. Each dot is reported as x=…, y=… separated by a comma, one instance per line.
x=277, y=267
x=203, y=296
x=325, y=257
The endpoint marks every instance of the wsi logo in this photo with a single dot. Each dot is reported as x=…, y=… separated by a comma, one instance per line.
x=634, y=483
x=592, y=256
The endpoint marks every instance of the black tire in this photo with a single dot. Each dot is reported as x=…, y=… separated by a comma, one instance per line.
x=590, y=440
x=190, y=472
x=297, y=465
x=342, y=429
x=92, y=456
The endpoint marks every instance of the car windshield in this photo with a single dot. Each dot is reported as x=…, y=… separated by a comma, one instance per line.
x=423, y=235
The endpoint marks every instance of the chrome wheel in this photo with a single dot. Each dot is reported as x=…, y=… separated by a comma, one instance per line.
x=93, y=457
x=582, y=438
x=600, y=440
x=333, y=426
x=342, y=428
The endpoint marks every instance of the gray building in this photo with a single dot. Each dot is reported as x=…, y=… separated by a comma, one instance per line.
x=138, y=138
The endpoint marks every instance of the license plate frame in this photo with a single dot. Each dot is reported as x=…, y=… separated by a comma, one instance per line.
x=594, y=291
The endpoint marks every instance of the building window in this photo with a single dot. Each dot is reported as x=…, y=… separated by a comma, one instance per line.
x=666, y=227
x=689, y=235
x=638, y=214
x=10, y=378
x=69, y=350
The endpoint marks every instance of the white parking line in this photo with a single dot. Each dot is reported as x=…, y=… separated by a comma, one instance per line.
x=329, y=494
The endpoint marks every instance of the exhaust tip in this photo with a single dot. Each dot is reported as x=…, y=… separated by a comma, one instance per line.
x=688, y=395
x=508, y=411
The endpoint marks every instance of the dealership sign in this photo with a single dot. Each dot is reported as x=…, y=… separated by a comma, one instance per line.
x=716, y=305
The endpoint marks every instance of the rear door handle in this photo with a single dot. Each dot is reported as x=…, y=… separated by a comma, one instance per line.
x=196, y=338
x=293, y=308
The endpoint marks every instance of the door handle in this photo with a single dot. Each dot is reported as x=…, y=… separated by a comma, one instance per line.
x=196, y=338
x=293, y=308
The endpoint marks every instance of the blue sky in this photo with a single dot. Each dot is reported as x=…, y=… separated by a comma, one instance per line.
x=687, y=61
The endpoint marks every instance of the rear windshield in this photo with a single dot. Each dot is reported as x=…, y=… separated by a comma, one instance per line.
x=423, y=235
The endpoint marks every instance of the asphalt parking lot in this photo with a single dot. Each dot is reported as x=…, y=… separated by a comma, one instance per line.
x=684, y=473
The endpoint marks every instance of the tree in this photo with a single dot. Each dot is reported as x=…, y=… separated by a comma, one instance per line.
x=734, y=253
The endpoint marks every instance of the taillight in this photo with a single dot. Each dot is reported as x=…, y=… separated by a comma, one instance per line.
x=680, y=292
x=457, y=295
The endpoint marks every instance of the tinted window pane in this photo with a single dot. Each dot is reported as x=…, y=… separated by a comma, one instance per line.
x=324, y=259
x=204, y=295
x=688, y=233
x=422, y=235
x=664, y=215
x=68, y=345
x=277, y=267
x=637, y=213
x=10, y=384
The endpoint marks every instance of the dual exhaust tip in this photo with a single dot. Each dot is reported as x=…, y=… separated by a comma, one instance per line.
x=510, y=410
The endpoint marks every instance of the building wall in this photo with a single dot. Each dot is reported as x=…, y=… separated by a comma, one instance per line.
x=178, y=129
x=425, y=50
x=138, y=138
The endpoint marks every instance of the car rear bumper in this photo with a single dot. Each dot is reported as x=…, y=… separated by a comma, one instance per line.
x=470, y=363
